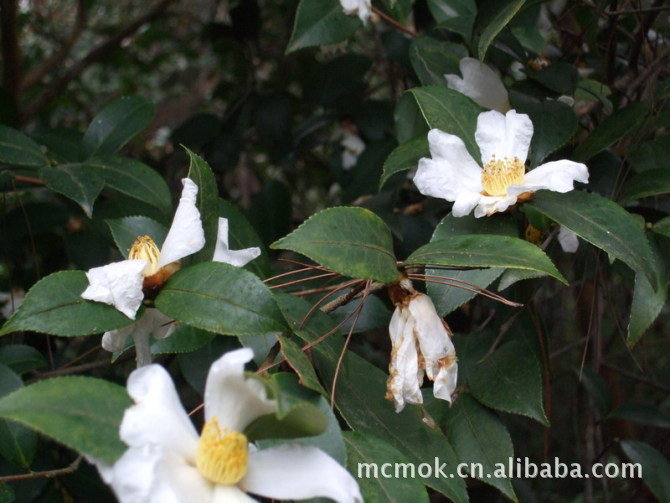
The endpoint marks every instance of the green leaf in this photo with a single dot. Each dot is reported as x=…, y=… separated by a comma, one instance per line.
x=17, y=443
x=448, y=297
x=184, y=339
x=320, y=23
x=134, y=179
x=485, y=250
x=54, y=306
x=491, y=20
x=17, y=149
x=21, y=358
x=83, y=413
x=655, y=468
x=367, y=453
x=404, y=157
x=125, y=231
x=455, y=15
x=554, y=124
x=612, y=129
x=597, y=388
x=220, y=298
x=351, y=241
x=298, y=413
x=79, y=182
x=602, y=223
x=408, y=120
x=207, y=203
x=641, y=413
x=645, y=184
x=479, y=438
x=559, y=77
x=360, y=399
x=431, y=59
x=662, y=227
x=300, y=363
x=116, y=124
x=7, y=494
x=510, y=380
x=451, y=112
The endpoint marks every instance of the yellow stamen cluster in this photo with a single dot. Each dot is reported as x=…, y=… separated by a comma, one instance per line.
x=144, y=248
x=222, y=456
x=498, y=174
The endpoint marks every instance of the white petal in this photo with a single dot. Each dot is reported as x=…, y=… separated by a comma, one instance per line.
x=159, y=325
x=152, y=322
x=568, y=240
x=118, y=284
x=502, y=136
x=558, y=176
x=451, y=169
x=186, y=235
x=360, y=7
x=353, y=147
x=434, y=340
x=222, y=253
x=445, y=382
x=488, y=205
x=480, y=83
x=294, y=471
x=234, y=399
x=115, y=340
x=465, y=202
x=157, y=418
x=405, y=374
x=230, y=494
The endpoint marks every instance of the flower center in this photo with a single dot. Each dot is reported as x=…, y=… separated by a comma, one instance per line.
x=222, y=456
x=498, y=174
x=144, y=248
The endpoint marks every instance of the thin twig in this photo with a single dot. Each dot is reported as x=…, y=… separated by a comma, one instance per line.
x=394, y=23
x=47, y=473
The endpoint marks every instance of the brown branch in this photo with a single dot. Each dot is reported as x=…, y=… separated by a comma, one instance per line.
x=48, y=473
x=394, y=23
x=99, y=53
x=36, y=75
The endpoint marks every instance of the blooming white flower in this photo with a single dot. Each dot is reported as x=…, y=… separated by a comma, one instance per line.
x=421, y=344
x=360, y=7
x=480, y=83
x=452, y=174
x=167, y=461
x=353, y=146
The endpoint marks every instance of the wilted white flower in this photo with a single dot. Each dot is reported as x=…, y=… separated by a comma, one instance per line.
x=420, y=345
x=480, y=83
x=167, y=461
x=452, y=174
x=360, y=7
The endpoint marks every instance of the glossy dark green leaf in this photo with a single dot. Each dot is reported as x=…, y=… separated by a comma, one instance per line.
x=510, y=380
x=125, y=232
x=319, y=23
x=479, y=438
x=662, y=227
x=645, y=184
x=611, y=130
x=54, y=306
x=351, y=241
x=207, y=203
x=602, y=223
x=399, y=9
x=298, y=413
x=451, y=112
x=491, y=19
x=641, y=413
x=220, y=298
x=431, y=59
x=485, y=250
x=21, y=358
x=370, y=458
x=134, y=179
x=404, y=157
x=300, y=363
x=655, y=468
x=83, y=413
x=455, y=15
x=116, y=124
x=184, y=339
x=79, y=182
x=559, y=77
x=17, y=149
x=408, y=121
x=17, y=443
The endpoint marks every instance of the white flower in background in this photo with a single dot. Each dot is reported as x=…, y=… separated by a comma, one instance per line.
x=167, y=461
x=360, y=7
x=452, y=174
x=568, y=240
x=353, y=146
x=480, y=83
x=421, y=344
x=12, y=300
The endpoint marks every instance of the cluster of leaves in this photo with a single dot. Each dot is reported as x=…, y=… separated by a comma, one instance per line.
x=567, y=375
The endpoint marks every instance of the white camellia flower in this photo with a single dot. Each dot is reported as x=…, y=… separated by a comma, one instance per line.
x=480, y=83
x=168, y=462
x=420, y=344
x=452, y=174
x=352, y=147
x=568, y=240
x=360, y=7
